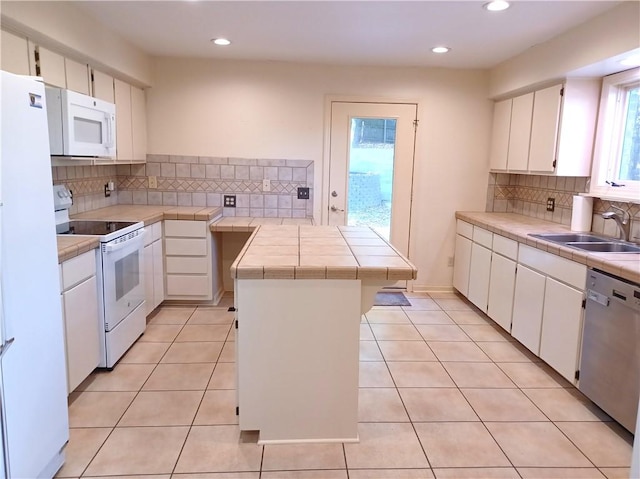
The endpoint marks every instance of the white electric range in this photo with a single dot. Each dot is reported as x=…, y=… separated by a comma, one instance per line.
x=120, y=276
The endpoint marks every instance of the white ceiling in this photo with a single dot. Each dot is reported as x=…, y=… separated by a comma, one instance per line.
x=390, y=33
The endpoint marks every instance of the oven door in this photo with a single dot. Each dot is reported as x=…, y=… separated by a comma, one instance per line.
x=123, y=279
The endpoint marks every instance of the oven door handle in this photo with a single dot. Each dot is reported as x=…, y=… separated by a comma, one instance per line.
x=113, y=247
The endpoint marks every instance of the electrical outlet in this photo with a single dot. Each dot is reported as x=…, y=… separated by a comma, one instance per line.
x=107, y=191
x=266, y=185
x=551, y=204
x=303, y=193
x=153, y=182
x=229, y=201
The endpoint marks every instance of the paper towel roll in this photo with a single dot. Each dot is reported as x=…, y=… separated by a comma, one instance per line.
x=581, y=214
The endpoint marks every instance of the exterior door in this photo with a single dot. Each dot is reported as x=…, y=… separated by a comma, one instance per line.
x=371, y=168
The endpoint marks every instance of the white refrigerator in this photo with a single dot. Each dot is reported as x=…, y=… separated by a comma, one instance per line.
x=35, y=425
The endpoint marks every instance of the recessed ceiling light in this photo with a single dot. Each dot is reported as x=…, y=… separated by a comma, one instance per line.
x=496, y=6
x=631, y=61
x=221, y=41
x=440, y=49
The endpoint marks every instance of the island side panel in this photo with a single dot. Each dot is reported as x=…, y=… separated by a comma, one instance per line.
x=297, y=359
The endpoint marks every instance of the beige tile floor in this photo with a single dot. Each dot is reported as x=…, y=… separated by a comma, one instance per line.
x=444, y=393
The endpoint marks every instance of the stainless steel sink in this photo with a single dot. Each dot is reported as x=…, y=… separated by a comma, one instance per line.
x=570, y=238
x=609, y=247
x=589, y=242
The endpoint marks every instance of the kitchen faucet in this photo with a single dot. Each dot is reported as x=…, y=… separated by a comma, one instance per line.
x=623, y=221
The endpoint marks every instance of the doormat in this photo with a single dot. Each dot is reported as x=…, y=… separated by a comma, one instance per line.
x=391, y=298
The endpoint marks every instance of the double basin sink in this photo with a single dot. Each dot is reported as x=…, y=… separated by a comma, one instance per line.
x=589, y=242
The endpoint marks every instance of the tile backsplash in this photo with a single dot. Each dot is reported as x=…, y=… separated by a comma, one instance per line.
x=195, y=181
x=527, y=195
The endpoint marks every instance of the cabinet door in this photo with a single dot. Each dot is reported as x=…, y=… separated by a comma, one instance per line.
x=148, y=278
x=520, y=132
x=500, y=135
x=561, y=328
x=158, y=273
x=82, y=325
x=124, y=141
x=479, y=272
x=501, y=289
x=462, y=264
x=138, y=124
x=52, y=68
x=77, y=76
x=528, y=299
x=103, y=86
x=14, y=56
x=544, y=129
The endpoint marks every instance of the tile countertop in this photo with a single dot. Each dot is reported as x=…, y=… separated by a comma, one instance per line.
x=70, y=245
x=518, y=227
x=248, y=223
x=320, y=252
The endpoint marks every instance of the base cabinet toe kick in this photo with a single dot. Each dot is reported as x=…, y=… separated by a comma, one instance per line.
x=297, y=352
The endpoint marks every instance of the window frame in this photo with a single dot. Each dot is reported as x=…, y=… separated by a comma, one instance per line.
x=608, y=141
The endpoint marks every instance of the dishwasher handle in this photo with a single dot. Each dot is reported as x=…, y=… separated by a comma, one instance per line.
x=599, y=298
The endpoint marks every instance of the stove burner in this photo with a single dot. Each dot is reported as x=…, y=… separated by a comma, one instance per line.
x=94, y=228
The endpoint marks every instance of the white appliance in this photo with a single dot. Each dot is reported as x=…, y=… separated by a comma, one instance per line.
x=32, y=366
x=120, y=274
x=80, y=125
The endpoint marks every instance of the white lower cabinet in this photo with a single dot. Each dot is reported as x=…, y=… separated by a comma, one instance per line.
x=462, y=264
x=527, y=308
x=153, y=267
x=561, y=328
x=81, y=319
x=501, y=290
x=479, y=272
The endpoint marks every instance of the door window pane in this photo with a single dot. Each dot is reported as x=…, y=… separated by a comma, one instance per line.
x=371, y=158
x=630, y=157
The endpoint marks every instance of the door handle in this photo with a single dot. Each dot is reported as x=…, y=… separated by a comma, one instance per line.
x=334, y=209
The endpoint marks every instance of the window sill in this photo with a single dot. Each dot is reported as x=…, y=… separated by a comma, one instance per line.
x=607, y=195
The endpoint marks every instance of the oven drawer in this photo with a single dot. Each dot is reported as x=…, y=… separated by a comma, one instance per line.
x=76, y=270
x=183, y=285
x=186, y=246
x=185, y=265
x=185, y=228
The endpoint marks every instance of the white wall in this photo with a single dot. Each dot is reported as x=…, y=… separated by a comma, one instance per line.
x=69, y=31
x=276, y=110
x=615, y=32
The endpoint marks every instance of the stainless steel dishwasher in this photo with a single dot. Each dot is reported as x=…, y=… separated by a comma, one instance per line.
x=610, y=363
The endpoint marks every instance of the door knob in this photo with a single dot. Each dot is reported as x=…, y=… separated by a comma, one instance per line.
x=334, y=209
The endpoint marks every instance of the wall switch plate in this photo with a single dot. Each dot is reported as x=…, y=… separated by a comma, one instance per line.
x=229, y=201
x=551, y=204
x=107, y=191
x=303, y=193
x=266, y=185
x=153, y=182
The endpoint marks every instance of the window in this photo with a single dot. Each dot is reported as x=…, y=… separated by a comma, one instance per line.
x=616, y=167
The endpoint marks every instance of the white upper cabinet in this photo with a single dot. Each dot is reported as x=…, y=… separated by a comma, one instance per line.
x=102, y=86
x=520, y=132
x=124, y=140
x=500, y=135
x=50, y=66
x=549, y=131
x=77, y=76
x=14, y=56
x=139, y=124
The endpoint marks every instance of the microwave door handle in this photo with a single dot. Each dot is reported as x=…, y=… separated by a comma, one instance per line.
x=108, y=121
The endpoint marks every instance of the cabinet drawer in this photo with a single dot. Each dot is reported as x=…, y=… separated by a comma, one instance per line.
x=185, y=228
x=505, y=247
x=186, y=246
x=152, y=233
x=180, y=264
x=78, y=269
x=464, y=229
x=184, y=285
x=559, y=268
x=483, y=237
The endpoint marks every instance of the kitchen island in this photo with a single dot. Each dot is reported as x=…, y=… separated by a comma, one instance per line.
x=300, y=292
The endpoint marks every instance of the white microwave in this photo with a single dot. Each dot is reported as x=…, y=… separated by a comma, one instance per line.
x=80, y=125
